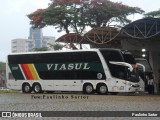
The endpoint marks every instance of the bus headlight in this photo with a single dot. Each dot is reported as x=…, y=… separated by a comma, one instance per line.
x=136, y=85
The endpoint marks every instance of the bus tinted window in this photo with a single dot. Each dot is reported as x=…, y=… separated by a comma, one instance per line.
x=111, y=55
x=116, y=70
x=129, y=58
x=54, y=57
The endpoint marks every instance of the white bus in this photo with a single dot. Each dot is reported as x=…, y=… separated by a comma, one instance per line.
x=95, y=70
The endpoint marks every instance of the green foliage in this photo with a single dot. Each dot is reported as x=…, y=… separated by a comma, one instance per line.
x=56, y=46
x=76, y=15
x=101, y=15
x=8, y=91
x=2, y=64
x=153, y=14
x=41, y=49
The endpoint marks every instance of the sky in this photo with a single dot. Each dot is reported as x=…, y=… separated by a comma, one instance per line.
x=15, y=24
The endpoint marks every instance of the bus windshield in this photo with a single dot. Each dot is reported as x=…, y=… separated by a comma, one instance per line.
x=120, y=71
x=129, y=58
x=133, y=76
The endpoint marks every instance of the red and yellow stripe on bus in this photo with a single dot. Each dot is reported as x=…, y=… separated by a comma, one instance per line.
x=29, y=71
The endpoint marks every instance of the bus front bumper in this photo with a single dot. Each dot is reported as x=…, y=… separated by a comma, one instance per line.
x=134, y=88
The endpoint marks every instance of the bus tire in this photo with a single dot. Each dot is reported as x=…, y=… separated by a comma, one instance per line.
x=37, y=88
x=102, y=89
x=26, y=88
x=88, y=88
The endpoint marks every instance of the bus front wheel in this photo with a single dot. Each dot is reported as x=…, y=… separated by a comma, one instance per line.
x=26, y=88
x=37, y=88
x=88, y=89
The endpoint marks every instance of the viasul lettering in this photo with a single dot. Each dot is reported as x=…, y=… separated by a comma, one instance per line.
x=70, y=66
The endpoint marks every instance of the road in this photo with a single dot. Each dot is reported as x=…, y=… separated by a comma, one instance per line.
x=78, y=102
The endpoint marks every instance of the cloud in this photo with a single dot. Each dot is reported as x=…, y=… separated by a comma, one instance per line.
x=14, y=22
x=13, y=6
x=42, y=3
x=16, y=6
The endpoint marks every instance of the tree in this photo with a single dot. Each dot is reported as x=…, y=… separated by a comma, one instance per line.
x=41, y=49
x=56, y=46
x=103, y=12
x=153, y=14
x=76, y=15
x=2, y=64
x=2, y=67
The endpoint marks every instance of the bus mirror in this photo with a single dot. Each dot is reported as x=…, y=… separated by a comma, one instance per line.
x=123, y=64
x=143, y=67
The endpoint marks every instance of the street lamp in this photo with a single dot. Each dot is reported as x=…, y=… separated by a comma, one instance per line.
x=143, y=55
x=143, y=50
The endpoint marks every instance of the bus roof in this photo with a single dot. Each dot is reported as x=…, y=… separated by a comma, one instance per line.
x=61, y=51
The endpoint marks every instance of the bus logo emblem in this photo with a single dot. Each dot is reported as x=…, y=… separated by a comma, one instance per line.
x=99, y=75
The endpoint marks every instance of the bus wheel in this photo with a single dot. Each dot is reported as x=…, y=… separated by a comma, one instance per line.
x=37, y=88
x=102, y=89
x=26, y=88
x=88, y=89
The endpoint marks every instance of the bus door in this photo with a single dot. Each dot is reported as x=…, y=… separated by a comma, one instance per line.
x=144, y=64
x=142, y=79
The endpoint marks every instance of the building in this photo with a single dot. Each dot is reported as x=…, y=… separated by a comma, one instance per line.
x=21, y=45
x=35, y=34
x=35, y=40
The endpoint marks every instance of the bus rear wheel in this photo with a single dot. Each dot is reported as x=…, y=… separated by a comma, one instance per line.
x=102, y=89
x=88, y=89
x=26, y=88
x=37, y=88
